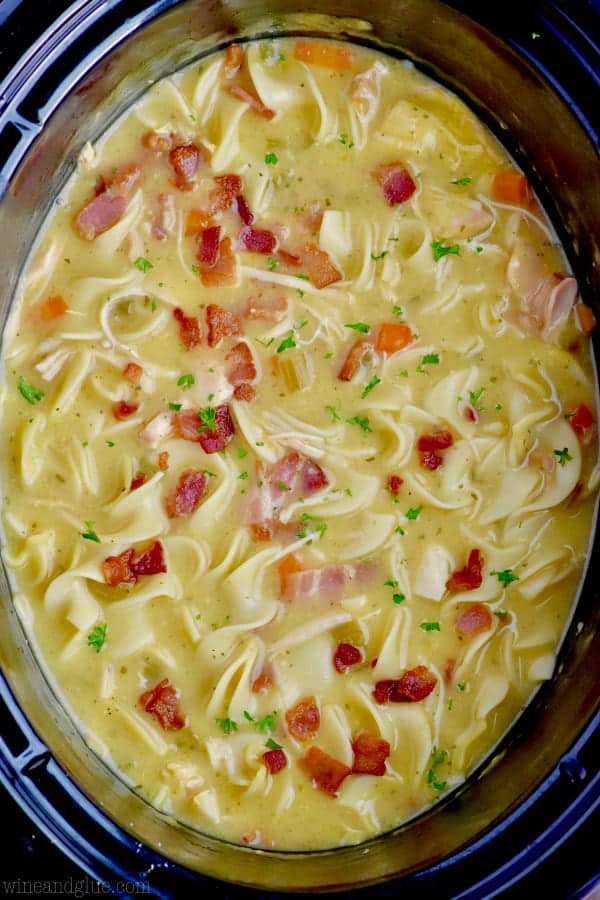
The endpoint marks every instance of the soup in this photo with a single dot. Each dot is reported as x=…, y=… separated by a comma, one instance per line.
x=299, y=444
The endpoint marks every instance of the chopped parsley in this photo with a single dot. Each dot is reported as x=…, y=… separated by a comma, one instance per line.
x=227, y=725
x=242, y=476
x=186, y=381
x=335, y=417
x=153, y=304
x=175, y=406
x=563, y=456
x=344, y=140
x=209, y=473
x=208, y=418
x=475, y=397
x=390, y=583
x=300, y=293
x=90, y=534
x=398, y=311
x=358, y=326
x=29, y=392
x=319, y=526
x=461, y=686
x=143, y=264
x=273, y=745
x=110, y=443
x=242, y=453
x=361, y=421
x=465, y=180
x=501, y=613
x=437, y=758
x=505, y=577
x=272, y=263
x=377, y=256
x=97, y=637
x=413, y=513
x=498, y=407
x=430, y=626
x=375, y=380
x=271, y=159
x=440, y=249
x=267, y=723
x=287, y=343
x=398, y=598
x=263, y=342
x=399, y=530
x=430, y=359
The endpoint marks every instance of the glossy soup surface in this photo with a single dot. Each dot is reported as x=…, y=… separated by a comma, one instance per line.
x=298, y=443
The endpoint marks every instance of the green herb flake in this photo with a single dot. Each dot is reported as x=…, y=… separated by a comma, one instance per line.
x=143, y=264
x=300, y=293
x=375, y=380
x=505, y=577
x=498, y=407
x=377, y=256
x=242, y=453
x=475, y=397
x=273, y=745
x=438, y=758
x=287, y=343
x=335, y=416
x=248, y=716
x=398, y=312
x=90, y=534
x=227, y=725
x=272, y=264
x=398, y=598
x=319, y=526
x=399, y=530
x=209, y=473
x=430, y=626
x=208, y=419
x=175, y=406
x=267, y=723
x=479, y=249
x=271, y=159
x=390, y=583
x=430, y=359
x=413, y=513
x=29, y=392
x=186, y=381
x=263, y=342
x=465, y=180
x=153, y=304
x=501, y=613
x=242, y=476
x=361, y=421
x=195, y=268
x=358, y=326
x=97, y=637
x=563, y=456
x=461, y=686
x=344, y=140
x=110, y=443
x=440, y=249
x=450, y=705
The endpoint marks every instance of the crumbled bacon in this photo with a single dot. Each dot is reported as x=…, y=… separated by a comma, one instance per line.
x=275, y=760
x=470, y=577
x=436, y=440
x=254, y=102
x=163, y=461
x=196, y=221
x=100, y=214
x=185, y=159
x=396, y=182
x=124, y=180
x=266, y=310
x=582, y=422
x=326, y=772
x=430, y=461
x=319, y=266
x=394, y=483
x=165, y=221
x=162, y=702
x=189, y=329
x=448, y=670
x=354, y=359
x=303, y=719
x=208, y=247
x=288, y=259
x=137, y=481
x=257, y=240
x=346, y=655
x=156, y=142
x=473, y=619
x=127, y=567
x=123, y=409
x=327, y=583
x=223, y=271
x=370, y=754
x=133, y=373
x=215, y=440
x=188, y=494
x=244, y=392
x=227, y=188
x=221, y=323
x=243, y=210
x=415, y=685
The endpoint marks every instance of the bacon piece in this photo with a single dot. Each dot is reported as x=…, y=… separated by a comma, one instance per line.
x=221, y=323
x=164, y=224
x=216, y=440
x=473, y=619
x=354, y=359
x=312, y=477
x=185, y=159
x=470, y=577
x=266, y=310
x=303, y=719
x=346, y=655
x=133, y=373
x=189, y=329
x=244, y=392
x=124, y=180
x=470, y=413
x=100, y=214
x=263, y=682
x=415, y=685
x=162, y=702
x=319, y=266
x=394, y=483
x=234, y=59
x=187, y=496
x=223, y=271
x=395, y=181
x=123, y=409
x=257, y=240
x=326, y=772
x=430, y=461
x=156, y=142
x=208, y=248
x=150, y=562
x=292, y=476
x=370, y=754
x=436, y=440
x=275, y=760
x=137, y=481
x=327, y=583
x=582, y=422
x=254, y=102
x=127, y=567
x=288, y=259
x=187, y=424
x=448, y=671
x=196, y=221
x=163, y=461
x=227, y=188
x=243, y=210
x=546, y=298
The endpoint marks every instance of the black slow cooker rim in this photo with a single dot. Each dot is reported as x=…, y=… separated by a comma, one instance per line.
x=35, y=779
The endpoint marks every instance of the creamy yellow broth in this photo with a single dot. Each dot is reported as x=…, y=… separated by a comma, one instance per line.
x=494, y=358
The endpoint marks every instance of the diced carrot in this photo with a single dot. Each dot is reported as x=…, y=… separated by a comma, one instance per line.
x=586, y=318
x=52, y=308
x=234, y=59
x=289, y=565
x=511, y=187
x=196, y=221
x=393, y=336
x=324, y=53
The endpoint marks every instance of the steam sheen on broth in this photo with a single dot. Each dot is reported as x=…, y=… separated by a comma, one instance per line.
x=299, y=444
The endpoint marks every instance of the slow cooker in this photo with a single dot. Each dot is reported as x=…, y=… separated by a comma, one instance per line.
x=532, y=75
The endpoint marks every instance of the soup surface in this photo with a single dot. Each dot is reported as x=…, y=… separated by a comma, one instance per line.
x=298, y=444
